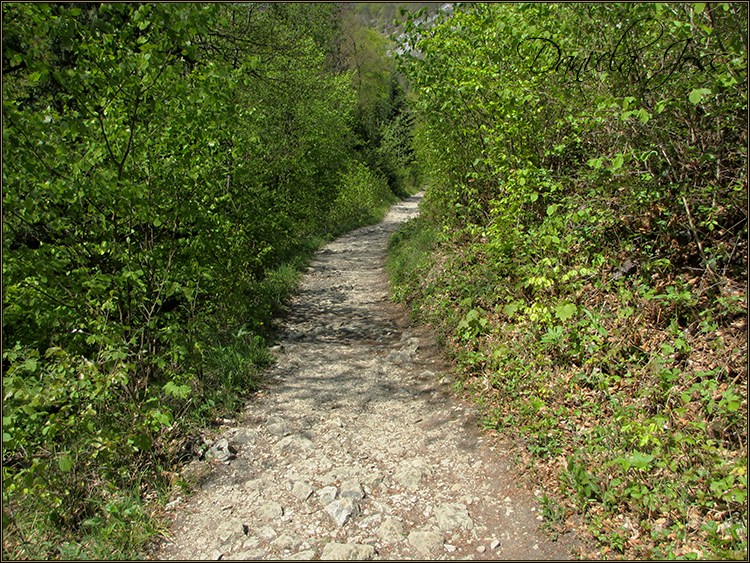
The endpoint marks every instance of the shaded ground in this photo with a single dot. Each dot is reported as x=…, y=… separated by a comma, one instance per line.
x=356, y=449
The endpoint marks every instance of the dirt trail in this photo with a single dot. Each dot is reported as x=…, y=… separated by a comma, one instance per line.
x=356, y=449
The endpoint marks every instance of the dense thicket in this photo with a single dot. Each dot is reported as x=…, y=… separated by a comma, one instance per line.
x=165, y=169
x=584, y=251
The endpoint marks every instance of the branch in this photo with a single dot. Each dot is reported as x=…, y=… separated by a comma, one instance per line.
x=697, y=240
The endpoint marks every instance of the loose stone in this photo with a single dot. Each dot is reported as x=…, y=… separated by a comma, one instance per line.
x=410, y=472
x=270, y=510
x=287, y=542
x=342, y=510
x=347, y=552
x=428, y=544
x=254, y=484
x=327, y=495
x=351, y=489
x=267, y=532
x=278, y=426
x=391, y=530
x=302, y=490
x=453, y=516
x=292, y=443
x=221, y=451
x=246, y=555
x=230, y=530
x=306, y=555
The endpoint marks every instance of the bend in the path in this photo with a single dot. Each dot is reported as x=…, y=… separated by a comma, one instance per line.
x=355, y=419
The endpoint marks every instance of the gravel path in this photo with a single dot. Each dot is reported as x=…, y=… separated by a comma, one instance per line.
x=356, y=449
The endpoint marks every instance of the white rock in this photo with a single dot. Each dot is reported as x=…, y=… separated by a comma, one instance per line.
x=270, y=510
x=267, y=532
x=411, y=472
x=347, y=552
x=292, y=443
x=230, y=530
x=327, y=495
x=351, y=489
x=428, y=544
x=306, y=555
x=452, y=516
x=302, y=490
x=342, y=510
x=287, y=542
x=391, y=530
x=221, y=451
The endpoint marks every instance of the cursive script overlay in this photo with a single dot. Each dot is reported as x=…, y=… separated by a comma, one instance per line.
x=630, y=58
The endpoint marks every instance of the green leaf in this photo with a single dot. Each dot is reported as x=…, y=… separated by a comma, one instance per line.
x=510, y=309
x=698, y=8
x=696, y=96
x=641, y=461
x=65, y=462
x=552, y=209
x=617, y=162
x=141, y=442
x=179, y=391
x=564, y=311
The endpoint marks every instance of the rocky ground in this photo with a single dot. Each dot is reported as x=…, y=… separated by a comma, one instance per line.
x=356, y=448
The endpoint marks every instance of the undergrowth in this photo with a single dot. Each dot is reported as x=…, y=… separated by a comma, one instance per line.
x=106, y=452
x=623, y=366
